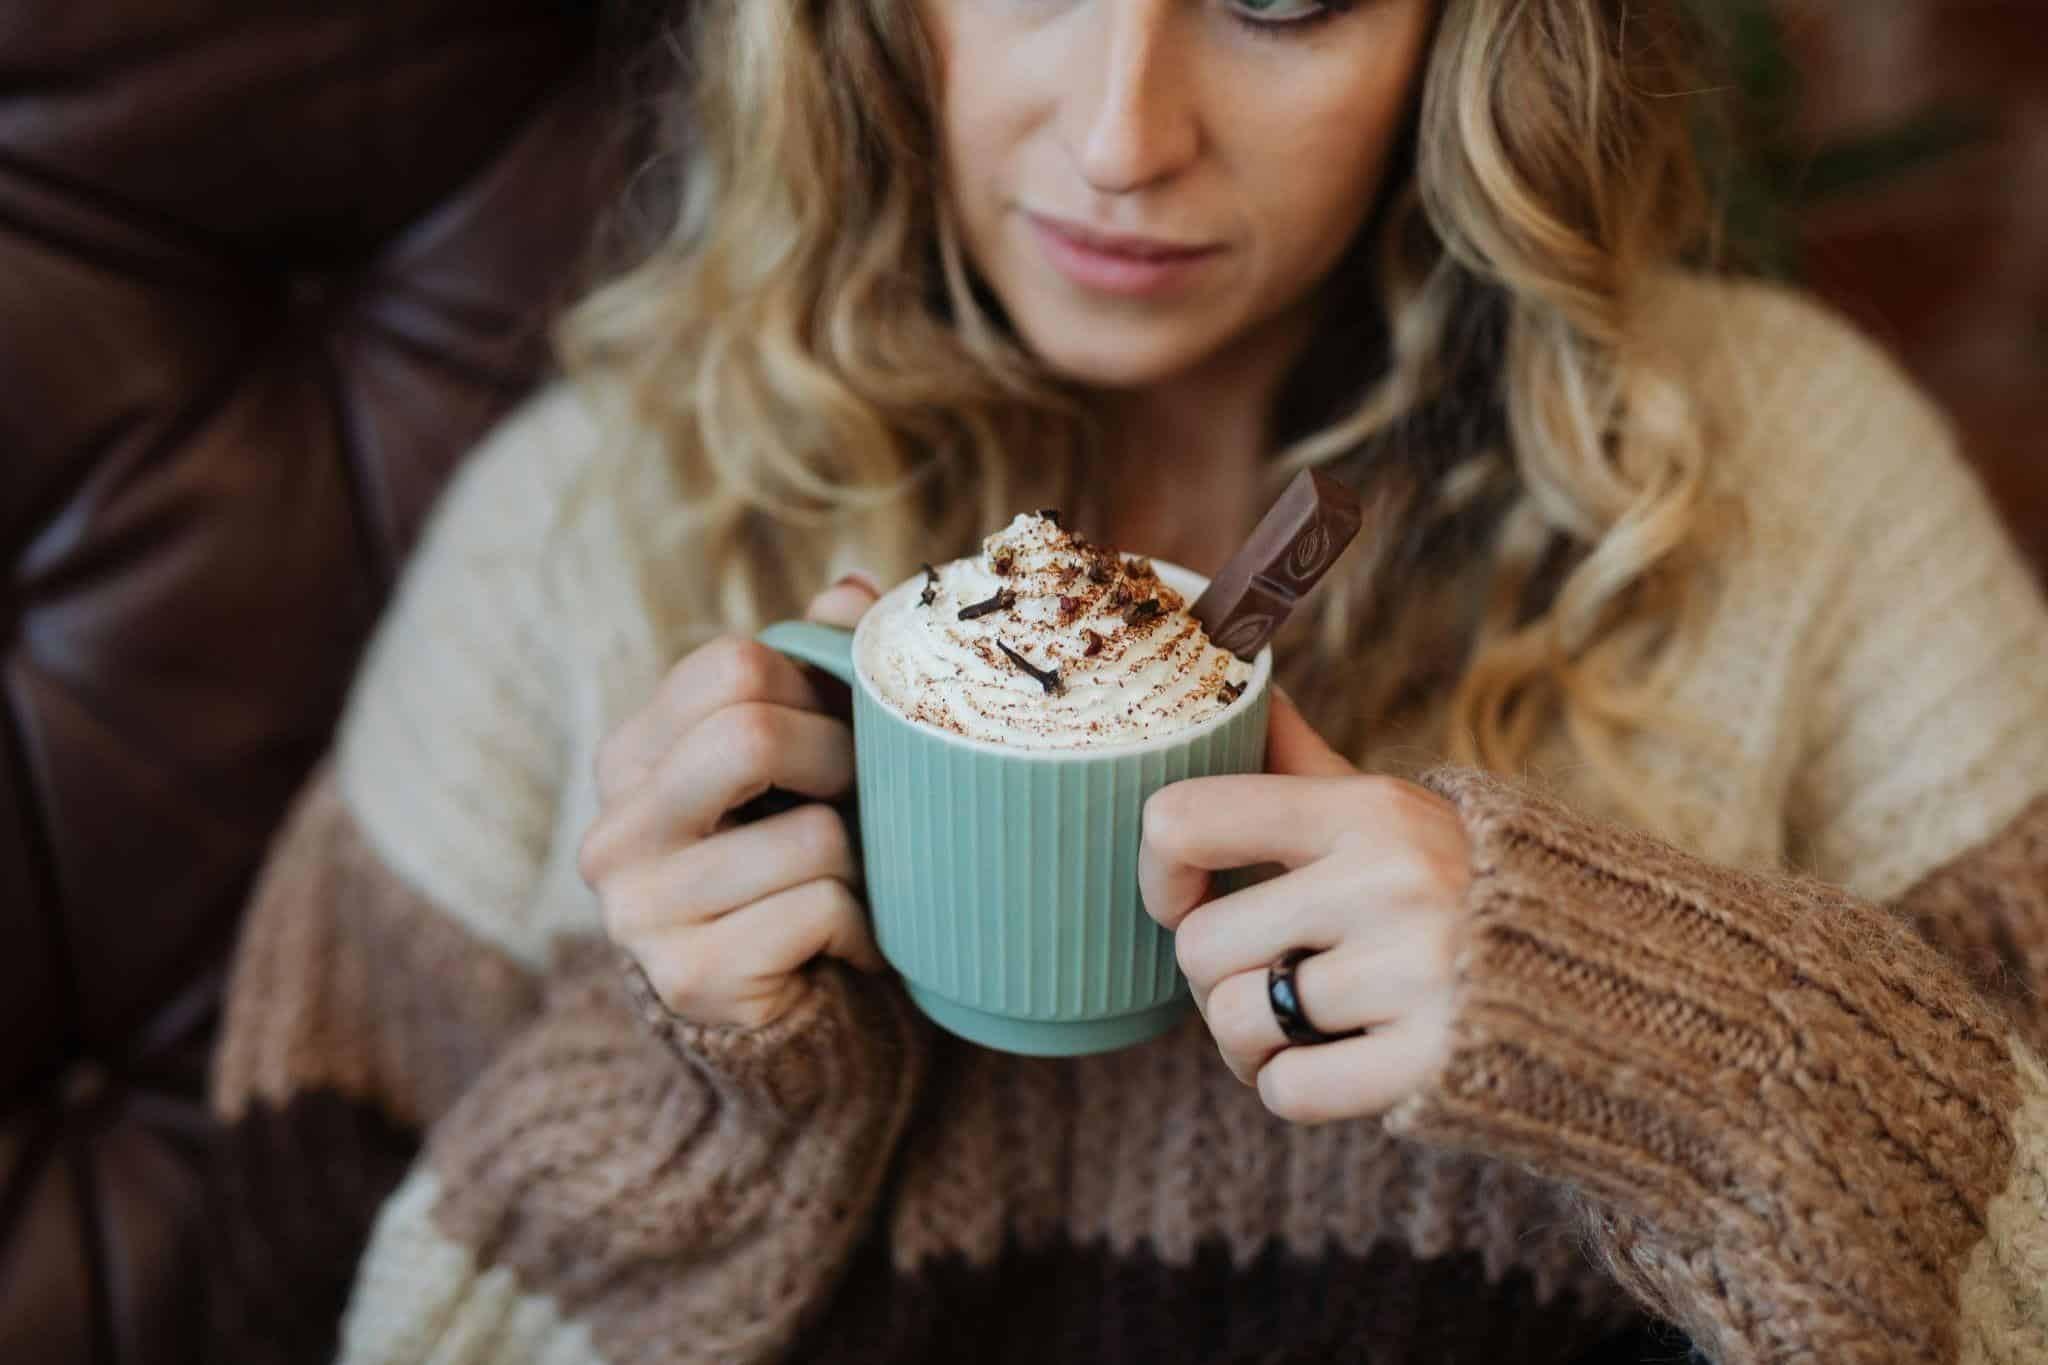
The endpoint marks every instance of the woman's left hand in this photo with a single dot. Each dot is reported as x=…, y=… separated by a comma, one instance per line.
x=1374, y=886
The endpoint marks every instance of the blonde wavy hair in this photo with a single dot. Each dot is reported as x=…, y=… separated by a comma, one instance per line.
x=802, y=373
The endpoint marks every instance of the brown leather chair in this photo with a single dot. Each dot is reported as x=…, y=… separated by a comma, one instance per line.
x=266, y=270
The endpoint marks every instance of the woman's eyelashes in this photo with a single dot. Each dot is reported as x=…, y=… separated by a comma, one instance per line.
x=1284, y=18
x=1268, y=18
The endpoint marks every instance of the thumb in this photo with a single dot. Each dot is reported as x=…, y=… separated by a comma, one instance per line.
x=1293, y=748
x=845, y=602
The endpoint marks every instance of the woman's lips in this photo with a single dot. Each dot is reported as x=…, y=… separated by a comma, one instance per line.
x=1113, y=263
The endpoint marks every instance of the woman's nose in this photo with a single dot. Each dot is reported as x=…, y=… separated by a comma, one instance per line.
x=1133, y=96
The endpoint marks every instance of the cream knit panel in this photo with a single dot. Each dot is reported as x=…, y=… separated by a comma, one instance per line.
x=1870, y=679
x=1764, y=370
x=1784, y=396
x=2005, y=1284
x=452, y=751
x=422, y=1300
x=1926, y=666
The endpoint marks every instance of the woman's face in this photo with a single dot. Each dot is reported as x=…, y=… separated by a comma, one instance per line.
x=1147, y=184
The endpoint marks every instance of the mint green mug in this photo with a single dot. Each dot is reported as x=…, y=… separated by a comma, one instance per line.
x=1003, y=882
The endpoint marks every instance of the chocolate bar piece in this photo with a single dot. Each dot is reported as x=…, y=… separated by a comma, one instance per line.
x=1289, y=551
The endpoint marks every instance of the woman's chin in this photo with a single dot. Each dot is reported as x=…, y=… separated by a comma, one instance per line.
x=1102, y=361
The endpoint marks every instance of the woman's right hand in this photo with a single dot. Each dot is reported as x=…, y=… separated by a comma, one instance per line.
x=722, y=916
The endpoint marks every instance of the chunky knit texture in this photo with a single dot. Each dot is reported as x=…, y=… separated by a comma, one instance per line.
x=1771, y=1060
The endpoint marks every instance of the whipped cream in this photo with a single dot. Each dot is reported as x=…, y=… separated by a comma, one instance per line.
x=1047, y=641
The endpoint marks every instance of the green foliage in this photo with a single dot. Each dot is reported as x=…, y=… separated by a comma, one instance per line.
x=1766, y=173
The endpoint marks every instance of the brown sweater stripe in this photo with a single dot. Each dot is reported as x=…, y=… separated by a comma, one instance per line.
x=347, y=980
x=1160, y=1148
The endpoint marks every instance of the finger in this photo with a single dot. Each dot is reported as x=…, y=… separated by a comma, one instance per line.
x=1339, y=991
x=1355, y=1077
x=1204, y=824
x=725, y=672
x=725, y=762
x=1310, y=908
x=1240, y=1019
x=745, y=968
x=731, y=869
x=779, y=934
x=845, y=602
x=1375, y=986
x=1294, y=748
x=1330, y=904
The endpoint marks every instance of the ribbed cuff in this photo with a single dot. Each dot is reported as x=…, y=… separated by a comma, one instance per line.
x=1693, y=1044
x=851, y=1036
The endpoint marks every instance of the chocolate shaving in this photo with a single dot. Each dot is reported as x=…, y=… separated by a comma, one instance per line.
x=1119, y=596
x=1070, y=607
x=1002, y=601
x=931, y=586
x=1138, y=568
x=1047, y=678
x=1051, y=514
x=1002, y=564
x=1143, y=611
x=1093, y=645
x=1099, y=571
x=1231, y=691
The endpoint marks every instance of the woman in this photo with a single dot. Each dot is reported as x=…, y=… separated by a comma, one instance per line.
x=1685, y=558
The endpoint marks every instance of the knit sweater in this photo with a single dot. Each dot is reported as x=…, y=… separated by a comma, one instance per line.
x=1769, y=1073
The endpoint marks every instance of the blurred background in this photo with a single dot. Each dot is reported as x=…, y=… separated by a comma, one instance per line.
x=1897, y=153
x=267, y=270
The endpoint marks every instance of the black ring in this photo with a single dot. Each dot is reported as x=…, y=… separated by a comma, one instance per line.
x=1285, y=999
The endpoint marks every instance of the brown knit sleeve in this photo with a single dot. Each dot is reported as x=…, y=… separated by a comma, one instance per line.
x=356, y=1015
x=656, y=1190
x=1799, y=1131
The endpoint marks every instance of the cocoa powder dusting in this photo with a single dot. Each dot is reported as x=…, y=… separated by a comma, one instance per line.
x=1079, y=602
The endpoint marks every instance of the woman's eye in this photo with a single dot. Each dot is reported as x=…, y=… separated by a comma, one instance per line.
x=1281, y=11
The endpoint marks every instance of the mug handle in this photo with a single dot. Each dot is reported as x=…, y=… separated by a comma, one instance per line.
x=826, y=647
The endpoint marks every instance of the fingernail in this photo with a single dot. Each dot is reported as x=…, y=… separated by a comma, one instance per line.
x=859, y=578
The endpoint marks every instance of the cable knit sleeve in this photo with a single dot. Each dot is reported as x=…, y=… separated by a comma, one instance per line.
x=1806, y=1113
x=1800, y=1133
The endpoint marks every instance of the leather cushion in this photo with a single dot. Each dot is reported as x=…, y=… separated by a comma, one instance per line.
x=265, y=273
